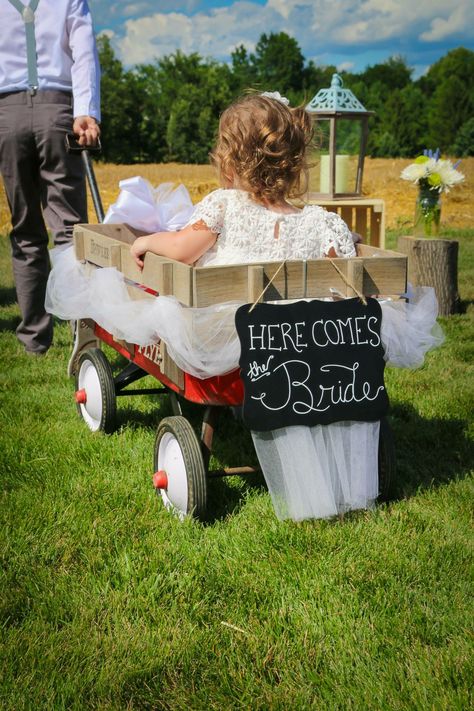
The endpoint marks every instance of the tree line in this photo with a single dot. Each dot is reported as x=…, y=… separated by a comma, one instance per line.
x=168, y=110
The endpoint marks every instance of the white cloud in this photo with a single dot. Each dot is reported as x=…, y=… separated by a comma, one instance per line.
x=345, y=66
x=375, y=21
x=453, y=24
x=215, y=33
x=282, y=7
x=419, y=70
x=135, y=8
x=108, y=33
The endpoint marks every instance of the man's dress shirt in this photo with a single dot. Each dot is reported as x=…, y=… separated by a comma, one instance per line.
x=65, y=47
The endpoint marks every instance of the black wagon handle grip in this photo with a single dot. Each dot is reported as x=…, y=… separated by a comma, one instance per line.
x=73, y=146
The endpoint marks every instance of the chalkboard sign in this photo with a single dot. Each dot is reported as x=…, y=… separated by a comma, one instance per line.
x=311, y=362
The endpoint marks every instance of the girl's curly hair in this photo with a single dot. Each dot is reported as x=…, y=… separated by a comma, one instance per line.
x=263, y=144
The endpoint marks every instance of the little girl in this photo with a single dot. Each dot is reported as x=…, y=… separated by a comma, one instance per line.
x=261, y=160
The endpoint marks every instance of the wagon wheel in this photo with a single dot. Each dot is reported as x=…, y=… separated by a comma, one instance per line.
x=95, y=391
x=180, y=474
x=386, y=459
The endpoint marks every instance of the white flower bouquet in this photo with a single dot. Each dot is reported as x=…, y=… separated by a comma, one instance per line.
x=433, y=176
x=430, y=172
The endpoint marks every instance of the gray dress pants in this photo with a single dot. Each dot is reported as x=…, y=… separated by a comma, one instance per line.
x=43, y=183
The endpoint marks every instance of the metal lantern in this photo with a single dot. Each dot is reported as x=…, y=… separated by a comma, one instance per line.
x=341, y=131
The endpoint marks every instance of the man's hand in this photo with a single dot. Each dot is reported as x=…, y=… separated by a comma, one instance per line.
x=86, y=129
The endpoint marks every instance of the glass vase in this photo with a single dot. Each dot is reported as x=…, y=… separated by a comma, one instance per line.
x=427, y=213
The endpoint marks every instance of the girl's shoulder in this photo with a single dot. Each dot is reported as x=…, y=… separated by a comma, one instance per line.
x=213, y=207
x=316, y=213
x=225, y=195
x=215, y=196
x=220, y=199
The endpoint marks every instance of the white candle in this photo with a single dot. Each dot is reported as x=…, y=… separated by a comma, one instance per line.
x=342, y=168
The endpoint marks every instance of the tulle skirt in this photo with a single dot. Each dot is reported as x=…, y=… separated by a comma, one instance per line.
x=321, y=471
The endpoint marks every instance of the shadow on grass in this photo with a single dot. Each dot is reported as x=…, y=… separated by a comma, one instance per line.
x=226, y=498
x=7, y=295
x=8, y=298
x=9, y=324
x=133, y=419
x=429, y=452
x=232, y=447
x=464, y=305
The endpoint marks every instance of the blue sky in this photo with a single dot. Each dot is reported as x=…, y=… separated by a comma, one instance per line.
x=348, y=33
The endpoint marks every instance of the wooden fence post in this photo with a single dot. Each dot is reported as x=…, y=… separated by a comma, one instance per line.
x=434, y=262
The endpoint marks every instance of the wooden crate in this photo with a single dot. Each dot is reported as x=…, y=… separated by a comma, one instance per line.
x=366, y=217
x=373, y=271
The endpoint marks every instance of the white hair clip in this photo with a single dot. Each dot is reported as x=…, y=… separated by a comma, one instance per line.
x=277, y=96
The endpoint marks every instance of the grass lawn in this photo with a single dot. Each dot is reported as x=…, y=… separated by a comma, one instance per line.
x=108, y=602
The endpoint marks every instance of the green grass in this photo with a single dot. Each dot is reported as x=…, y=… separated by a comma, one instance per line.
x=108, y=602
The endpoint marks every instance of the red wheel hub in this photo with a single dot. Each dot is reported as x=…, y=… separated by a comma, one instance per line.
x=81, y=397
x=160, y=479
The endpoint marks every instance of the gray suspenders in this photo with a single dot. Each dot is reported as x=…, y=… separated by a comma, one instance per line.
x=28, y=14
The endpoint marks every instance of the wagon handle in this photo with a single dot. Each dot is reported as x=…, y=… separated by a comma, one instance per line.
x=72, y=146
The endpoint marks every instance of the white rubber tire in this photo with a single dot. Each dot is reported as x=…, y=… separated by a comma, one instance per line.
x=178, y=454
x=94, y=376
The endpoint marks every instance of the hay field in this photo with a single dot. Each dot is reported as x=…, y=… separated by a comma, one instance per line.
x=381, y=180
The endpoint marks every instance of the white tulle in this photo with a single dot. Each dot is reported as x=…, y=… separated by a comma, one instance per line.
x=321, y=471
x=409, y=328
x=203, y=342
x=151, y=209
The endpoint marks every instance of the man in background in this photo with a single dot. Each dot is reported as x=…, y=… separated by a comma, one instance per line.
x=49, y=86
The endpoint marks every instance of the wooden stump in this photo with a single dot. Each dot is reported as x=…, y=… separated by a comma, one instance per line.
x=434, y=262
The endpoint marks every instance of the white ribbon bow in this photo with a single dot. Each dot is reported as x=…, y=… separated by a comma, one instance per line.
x=144, y=207
x=277, y=96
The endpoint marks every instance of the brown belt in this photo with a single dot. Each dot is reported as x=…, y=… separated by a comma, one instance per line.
x=42, y=96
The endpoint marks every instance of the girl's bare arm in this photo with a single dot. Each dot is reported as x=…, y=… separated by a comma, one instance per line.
x=185, y=245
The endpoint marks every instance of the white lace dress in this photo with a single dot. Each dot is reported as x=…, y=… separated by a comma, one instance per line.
x=250, y=232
